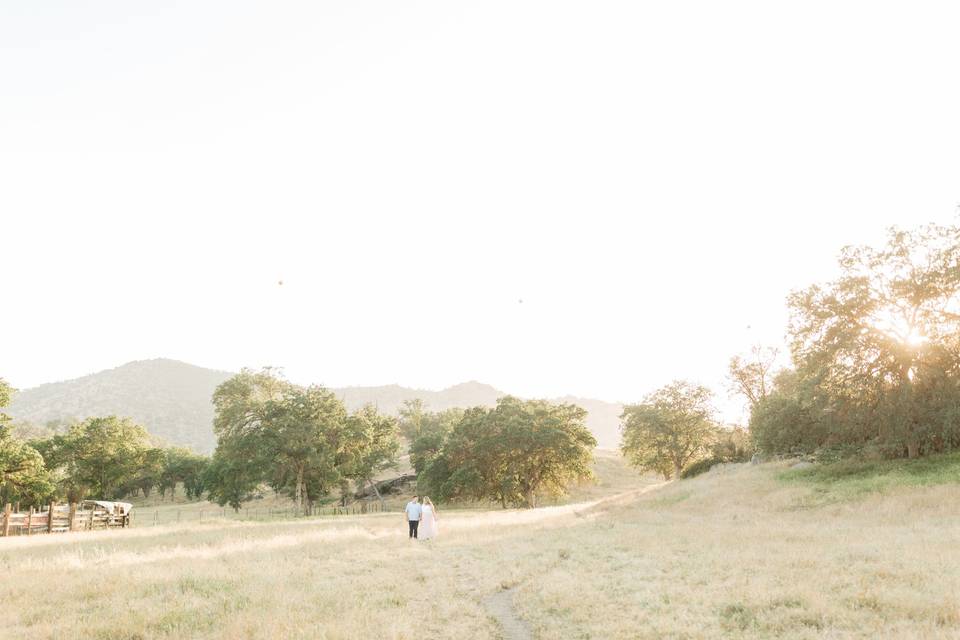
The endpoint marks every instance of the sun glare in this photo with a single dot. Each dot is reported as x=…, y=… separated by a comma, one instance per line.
x=915, y=338
x=900, y=330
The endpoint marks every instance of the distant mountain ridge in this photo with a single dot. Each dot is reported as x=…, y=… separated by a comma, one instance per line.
x=172, y=400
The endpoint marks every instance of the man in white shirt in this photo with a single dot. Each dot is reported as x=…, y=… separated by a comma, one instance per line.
x=413, y=512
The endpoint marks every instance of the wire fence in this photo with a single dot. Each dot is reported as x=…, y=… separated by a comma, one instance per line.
x=145, y=517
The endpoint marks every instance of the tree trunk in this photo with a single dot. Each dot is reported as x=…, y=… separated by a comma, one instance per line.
x=677, y=469
x=531, y=499
x=298, y=492
x=376, y=491
x=913, y=446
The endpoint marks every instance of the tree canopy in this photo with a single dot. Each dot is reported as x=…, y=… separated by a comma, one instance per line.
x=512, y=453
x=877, y=351
x=23, y=475
x=433, y=430
x=6, y=394
x=101, y=457
x=670, y=429
x=299, y=440
x=375, y=446
x=752, y=376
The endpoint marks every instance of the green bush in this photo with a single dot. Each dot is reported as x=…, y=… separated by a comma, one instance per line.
x=854, y=478
x=701, y=466
x=730, y=445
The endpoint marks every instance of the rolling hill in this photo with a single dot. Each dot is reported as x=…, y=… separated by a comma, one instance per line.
x=172, y=400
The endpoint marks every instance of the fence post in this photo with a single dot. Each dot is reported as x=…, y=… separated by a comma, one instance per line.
x=201, y=515
x=178, y=515
x=72, y=516
x=6, y=521
x=154, y=517
x=30, y=522
x=50, y=519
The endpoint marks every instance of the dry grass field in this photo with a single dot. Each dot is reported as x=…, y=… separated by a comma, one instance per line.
x=745, y=552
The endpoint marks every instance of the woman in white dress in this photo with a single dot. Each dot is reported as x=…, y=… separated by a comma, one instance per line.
x=428, y=520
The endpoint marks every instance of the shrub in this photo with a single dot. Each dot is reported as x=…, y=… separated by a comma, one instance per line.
x=700, y=466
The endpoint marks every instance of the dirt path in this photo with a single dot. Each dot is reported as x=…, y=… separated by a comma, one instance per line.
x=500, y=606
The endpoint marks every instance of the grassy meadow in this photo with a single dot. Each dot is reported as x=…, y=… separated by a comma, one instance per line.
x=741, y=552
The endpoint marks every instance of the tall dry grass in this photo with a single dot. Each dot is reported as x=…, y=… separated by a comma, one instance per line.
x=733, y=554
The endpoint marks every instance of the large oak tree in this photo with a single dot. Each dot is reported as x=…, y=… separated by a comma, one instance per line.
x=299, y=440
x=670, y=429
x=512, y=453
x=882, y=341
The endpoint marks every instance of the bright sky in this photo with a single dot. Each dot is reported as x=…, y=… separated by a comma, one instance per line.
x=651, y=179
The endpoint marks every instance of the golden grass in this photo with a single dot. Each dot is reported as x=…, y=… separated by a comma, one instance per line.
x=734, y=554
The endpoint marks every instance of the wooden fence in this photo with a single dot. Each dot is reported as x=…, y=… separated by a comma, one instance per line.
x=73, y=517
x=58, y=518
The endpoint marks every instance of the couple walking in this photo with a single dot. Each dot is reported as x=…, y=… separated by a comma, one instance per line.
x=422, y=518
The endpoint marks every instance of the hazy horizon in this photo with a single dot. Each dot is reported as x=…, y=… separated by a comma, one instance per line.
x=550, y=198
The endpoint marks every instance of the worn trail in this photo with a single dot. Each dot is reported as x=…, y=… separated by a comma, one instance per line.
x=500, y=607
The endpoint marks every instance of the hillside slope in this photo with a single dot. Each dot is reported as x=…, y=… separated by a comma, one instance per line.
x=172, y=399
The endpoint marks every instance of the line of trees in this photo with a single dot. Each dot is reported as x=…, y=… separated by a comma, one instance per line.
x=301, y=441
x=875, y=370
x=101, y=457
x=876, y=354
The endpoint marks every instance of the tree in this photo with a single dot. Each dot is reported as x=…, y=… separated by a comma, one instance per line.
x=194, y=476
x=376, y=442
x=183, y=466
x=752, y=376
x=412, y=416
x=241, y=460
x=513, y=453
x=305, y=433
x=98, y=457
x=730, y=445
x=149, y=473
x=23, y=476
x=6, y=393
x=671, y=428
x=230, y=480
x=432, y=432
x=294, y=438
x=883, y=340
x=791, y=419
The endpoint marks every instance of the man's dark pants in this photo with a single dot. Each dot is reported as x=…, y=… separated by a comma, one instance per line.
x=413, y=527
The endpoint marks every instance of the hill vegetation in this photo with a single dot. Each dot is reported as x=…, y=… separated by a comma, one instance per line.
x=171, y=399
